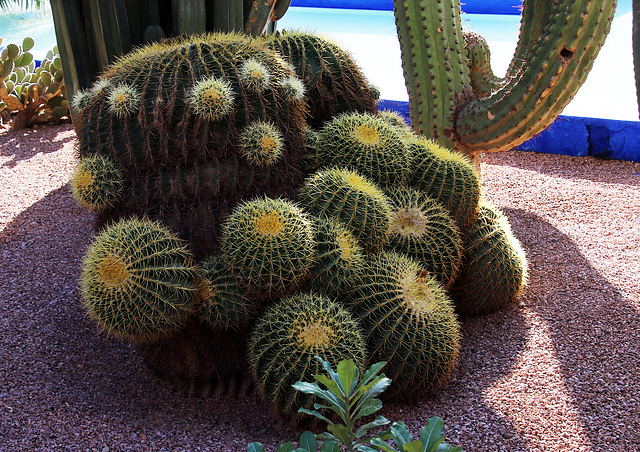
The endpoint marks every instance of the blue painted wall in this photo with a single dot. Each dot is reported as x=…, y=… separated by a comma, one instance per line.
x=570, y=135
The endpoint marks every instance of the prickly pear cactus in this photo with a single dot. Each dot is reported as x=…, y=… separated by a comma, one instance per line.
x=28, y=93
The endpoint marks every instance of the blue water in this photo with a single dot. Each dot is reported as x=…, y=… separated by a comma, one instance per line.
x=16, y=24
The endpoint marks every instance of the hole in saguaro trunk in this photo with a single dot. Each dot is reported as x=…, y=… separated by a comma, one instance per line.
x=566, y=54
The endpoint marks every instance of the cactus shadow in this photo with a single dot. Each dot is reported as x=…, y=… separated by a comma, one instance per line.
x=20, y=145
x=57, y=366
x=593, y=327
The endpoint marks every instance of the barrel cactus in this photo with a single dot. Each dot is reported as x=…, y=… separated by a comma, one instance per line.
x=333, y=81
x=139, y=281
x=185, y=110
x=353, y=199
x=269, y=245
x=286, y=341
x=97, y=183
x=409, y=322
x=494, y=271
x=423, y=229
x=446, y=176
x=366, y=143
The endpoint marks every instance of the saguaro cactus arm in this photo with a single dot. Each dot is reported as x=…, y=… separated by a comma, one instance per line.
x=551, y=76
x=559, y=39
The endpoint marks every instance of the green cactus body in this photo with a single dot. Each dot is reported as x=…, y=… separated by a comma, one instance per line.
x=224, y=304
x=494, y=265
x=191, y=107
x=424, y=230
x=356, y=201
x=138, y=281
x=284, y=344
x=447, y=177
x=334, y=82
x=96, y=183
x=339, y=258
x=269, y=245
x=409, y=323
x=483, y=81
x=261, y=144
x=365, y=143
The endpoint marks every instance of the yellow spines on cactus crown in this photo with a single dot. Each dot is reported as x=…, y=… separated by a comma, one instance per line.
x=254, y=76
x=124, y=101
x=97, y=183
x=261, y=144
x=211, y=99
x=138, y=281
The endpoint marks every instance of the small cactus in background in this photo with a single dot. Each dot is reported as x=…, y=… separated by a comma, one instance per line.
x=287, y=339
x=356, y=201
x=269, y=245
x=97, y=183
x=31, y=95
x=494, y=270
x=424, y=230
x=138, y=281
x=409, y=322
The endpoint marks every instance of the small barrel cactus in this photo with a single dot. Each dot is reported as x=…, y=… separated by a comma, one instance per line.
x=286, y=340
x=139, y=281
x=424, y=230
x=353, y=199
x=448, y=177
x=224, y=304
x=97, y=183
x=494, y=270
x=409, y=322
x=269, y=245
x=366, y=143
x=339, y=257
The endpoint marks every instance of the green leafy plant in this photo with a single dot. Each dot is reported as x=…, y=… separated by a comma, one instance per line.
x=349, y=399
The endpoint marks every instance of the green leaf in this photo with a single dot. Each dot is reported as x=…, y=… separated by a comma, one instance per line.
x=367, y=407
x=401, y=434
x=330, y=446
x=431, y=434
x=341, y=432
x=379, y=421
x=315, y=414
x=314, y=389
x=382, y=445
x=308, y=441
x=287, y=447
x=413, y=446
x=371, y=372
x=255, y=447
x=333, y=386
x=347, y=376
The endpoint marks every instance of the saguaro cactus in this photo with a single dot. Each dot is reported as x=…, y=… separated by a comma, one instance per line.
x=558, y=42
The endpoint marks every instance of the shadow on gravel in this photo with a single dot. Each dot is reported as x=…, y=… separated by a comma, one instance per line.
x=594, y=329
x=64, y=385
x=24, y=144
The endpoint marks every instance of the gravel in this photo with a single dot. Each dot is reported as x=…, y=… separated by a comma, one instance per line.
x=556, y=371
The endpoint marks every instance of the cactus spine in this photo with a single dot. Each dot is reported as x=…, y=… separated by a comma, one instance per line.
x=138, y=281
x=409, y=322
x=286, y=340
x=97, y=183
x=558, y=42
x=494, y=271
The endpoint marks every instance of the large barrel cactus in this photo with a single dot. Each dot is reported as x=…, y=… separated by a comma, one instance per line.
x=250, y=217
x=178, y=119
